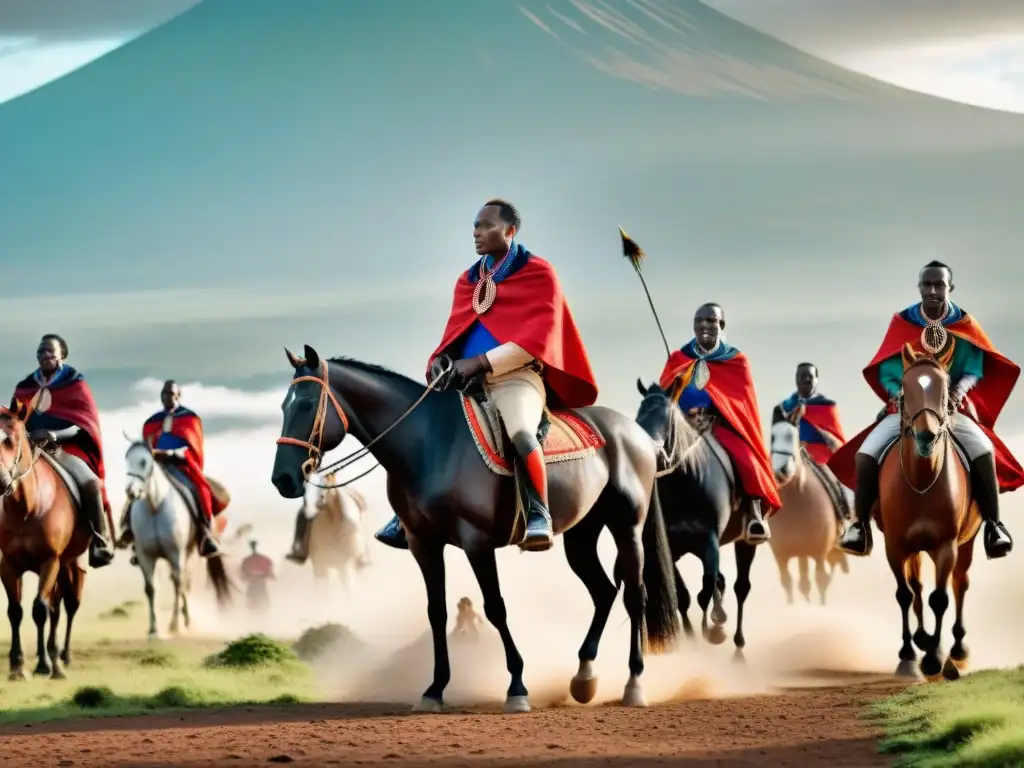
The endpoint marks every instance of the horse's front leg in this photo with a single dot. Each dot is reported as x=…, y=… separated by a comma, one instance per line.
x=72, y=588
x=629, y=564
x=710, y=557
x=52, y=649
x=148, y=565
x=41, y=607
x=945, y=561
x=176, y=582
x=12, y=586
x=959, y=654
x=744, y=560
x=905, y=598
x=430, y=558
x=486, y=570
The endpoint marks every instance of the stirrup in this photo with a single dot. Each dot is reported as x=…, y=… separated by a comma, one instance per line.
x=757, y=538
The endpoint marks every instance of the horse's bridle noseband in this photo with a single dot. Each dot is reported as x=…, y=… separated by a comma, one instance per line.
x=316, y=435
x=15, y=475
x=907, y=430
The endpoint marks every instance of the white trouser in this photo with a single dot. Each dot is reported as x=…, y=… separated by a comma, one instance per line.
x=974, y=442
x=519, y=397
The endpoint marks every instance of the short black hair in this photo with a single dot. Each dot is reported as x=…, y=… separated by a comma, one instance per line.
x=508, y=212
x=933, y=264
x=709, y=304
x=171, y=383
x=808, y=365
x=60, y=343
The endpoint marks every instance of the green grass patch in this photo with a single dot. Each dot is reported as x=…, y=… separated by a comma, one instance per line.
x=976, y=721
x=136, y=677
x=316, y=642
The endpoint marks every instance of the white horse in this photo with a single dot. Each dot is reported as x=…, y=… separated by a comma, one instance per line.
x=806, y=527
x=164, y=529
x=336, y=537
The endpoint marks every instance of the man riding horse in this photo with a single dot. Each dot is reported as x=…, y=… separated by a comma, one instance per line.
x=816, y=418
x=981, y=380
x=714, y=387
x=61, y=413
x=510, y=324
x=175, y=435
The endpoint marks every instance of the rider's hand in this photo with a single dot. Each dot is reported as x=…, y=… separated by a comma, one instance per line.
x=468, y=368
x=42, y=437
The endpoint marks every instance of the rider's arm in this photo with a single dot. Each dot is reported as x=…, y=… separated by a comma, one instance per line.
x=890, y=376
x=66, y=434
x=508, y=357
x=973, y=362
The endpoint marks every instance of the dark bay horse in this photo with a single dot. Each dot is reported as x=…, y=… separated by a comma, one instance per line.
x=924, y=505
x=444, y=493
x=701, y=512
x=39, y=533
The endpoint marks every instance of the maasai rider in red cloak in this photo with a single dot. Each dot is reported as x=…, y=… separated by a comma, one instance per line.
x=257, y=570
x=981, y=380
x=176, y=436
x=62, y=412
x=510, y=324
x=712, y=379
x=821, y=433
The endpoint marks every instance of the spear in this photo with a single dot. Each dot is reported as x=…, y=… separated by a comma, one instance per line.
x=635, y=254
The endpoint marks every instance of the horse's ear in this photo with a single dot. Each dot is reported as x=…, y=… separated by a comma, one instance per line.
x=312, y=358
x=641, y=388
x=676, y=390
x=293, y=361
x=795, y=415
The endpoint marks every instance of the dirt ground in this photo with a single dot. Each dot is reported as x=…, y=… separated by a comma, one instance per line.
x=805, y=727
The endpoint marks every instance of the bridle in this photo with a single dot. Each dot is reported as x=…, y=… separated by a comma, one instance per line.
x=907, y=430
x=314, y=445
x=13, y=469
x=675, y=460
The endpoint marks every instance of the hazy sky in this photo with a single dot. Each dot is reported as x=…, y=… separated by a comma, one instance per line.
x=968, y=50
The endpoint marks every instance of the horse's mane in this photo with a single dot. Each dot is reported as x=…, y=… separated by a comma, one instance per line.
x=359, y=499
x=373, y=368
x=682, y=440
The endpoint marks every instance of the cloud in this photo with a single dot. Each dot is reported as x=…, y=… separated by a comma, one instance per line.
x=77, y=20
x=26, y=63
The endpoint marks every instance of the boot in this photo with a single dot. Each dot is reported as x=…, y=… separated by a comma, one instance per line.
x=393, y=534
x=208, y=546
x=127, y=536
x=533, y=482
x=300, y=542
x=101, y=553
x=857, y=538
x=757, y=531
x=985, y=487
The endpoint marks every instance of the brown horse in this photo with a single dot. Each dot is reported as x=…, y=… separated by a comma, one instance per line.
x=39, y=532
x=925, y=506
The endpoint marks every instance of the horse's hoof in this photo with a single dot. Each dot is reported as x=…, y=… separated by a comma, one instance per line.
x=42, y=671
x=738, y=657
x=517, y=705
x=716, y=635
x=583, y=689
x=960, y=663
x=17, y=676
x=719, y=616
x=57, y=674
x=907, y=668
x=428, y=704
x=633, y=696
x=931, y=668
x=950, y=671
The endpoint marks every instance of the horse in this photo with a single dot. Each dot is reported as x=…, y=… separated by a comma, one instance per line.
x=445, y=491
x=702, y=512
x=924, y=505
x=41, y=532
x=165, y=530
x=336, y=539
x=807, y=526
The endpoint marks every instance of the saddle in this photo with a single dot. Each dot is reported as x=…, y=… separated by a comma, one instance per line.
x=563, y=434
x=69, y=482
x=840, y=503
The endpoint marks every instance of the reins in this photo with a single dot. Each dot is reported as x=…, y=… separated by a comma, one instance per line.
x=942, y=436
x=14, y=468
x=314, y=445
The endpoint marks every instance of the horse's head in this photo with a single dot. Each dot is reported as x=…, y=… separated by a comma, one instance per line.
x=785, y=451
x=313, y=424
x=139, y=462
x=925, y=403
x=16, y=454
x=655, y=412
x=659, y=416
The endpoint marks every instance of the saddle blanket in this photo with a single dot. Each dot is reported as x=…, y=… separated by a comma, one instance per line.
x=569, y=438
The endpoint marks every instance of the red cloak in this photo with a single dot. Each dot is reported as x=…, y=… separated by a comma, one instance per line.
x=71, y=400
x=531, y=311
x=189, y=427
x=824, y=418
x=988, y=396
x=731, y=389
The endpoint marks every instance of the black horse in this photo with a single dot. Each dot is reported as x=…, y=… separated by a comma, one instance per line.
x=444, y=493
x=702, y=512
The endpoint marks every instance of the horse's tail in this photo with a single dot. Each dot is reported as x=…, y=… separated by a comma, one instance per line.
x=221, y=581
x=661, y=615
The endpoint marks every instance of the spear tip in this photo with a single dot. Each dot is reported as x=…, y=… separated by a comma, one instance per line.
x=630, y=249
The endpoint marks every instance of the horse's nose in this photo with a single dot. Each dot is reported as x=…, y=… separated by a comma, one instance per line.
x=287, y=485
